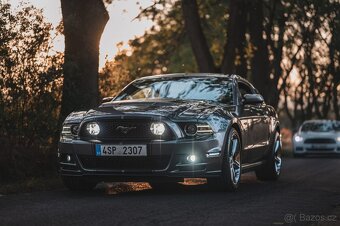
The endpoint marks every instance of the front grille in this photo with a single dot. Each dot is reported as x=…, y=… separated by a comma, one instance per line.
x=124, y=163
x=319, y=149
x=113, y=129
x=320, y=141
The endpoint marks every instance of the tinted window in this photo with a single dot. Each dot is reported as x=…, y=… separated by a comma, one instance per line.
x=190, y=88
x=320, y=126
x=244, y=89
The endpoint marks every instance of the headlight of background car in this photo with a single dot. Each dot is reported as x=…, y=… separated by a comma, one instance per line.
x=193, y=129
x=93, y=128
x=68, y=132
x=298, y=138
x=157, y=128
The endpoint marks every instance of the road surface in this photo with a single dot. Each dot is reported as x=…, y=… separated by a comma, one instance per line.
x=308, y=193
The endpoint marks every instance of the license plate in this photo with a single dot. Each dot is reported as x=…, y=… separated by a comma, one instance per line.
x=121, y=150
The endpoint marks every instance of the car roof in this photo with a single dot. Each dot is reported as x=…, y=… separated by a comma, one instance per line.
x=177, y=75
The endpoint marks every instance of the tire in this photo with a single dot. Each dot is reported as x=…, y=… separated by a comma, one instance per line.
x=164, y=186
x=231, y=166
x=271, y=170
x=77, y=183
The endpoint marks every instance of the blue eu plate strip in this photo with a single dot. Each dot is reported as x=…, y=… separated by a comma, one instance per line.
x=98, y=150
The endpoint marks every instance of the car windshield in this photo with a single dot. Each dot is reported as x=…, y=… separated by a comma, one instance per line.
x=189, y=88
x=320, y=126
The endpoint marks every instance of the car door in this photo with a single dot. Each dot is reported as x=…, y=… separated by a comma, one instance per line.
x=254, y=124
x=262, y=126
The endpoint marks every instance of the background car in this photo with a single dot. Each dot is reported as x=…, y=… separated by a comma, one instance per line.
x=162, y=129
x=317, y=137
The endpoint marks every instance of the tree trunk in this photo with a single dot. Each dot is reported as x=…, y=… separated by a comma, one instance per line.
x=260, y=61
x=84, y=22
x=197, y=39
x=235, y=39
x=277, y=50
x=335, y=73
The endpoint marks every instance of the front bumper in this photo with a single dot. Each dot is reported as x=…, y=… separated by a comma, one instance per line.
x=300, y=148
x=165, y=160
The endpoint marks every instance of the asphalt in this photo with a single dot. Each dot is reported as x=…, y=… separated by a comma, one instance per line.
x=308, y=193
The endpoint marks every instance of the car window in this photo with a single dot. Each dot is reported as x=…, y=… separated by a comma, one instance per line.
x=244, y=89
x=320, y=127
x=191, y=88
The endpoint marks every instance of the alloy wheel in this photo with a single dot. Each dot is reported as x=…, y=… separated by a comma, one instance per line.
x=277, y=156
x=235, y=159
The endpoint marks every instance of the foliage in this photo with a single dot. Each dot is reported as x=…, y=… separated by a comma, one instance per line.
x=311, y=76
x=301, y=37
x=30, y=85
x=165, y=48
x=113, y=77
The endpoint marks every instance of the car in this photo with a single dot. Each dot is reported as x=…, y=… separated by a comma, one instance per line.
x=162, y=129
x=321, y=137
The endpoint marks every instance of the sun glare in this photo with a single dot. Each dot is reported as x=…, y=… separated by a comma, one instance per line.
x=121, y=27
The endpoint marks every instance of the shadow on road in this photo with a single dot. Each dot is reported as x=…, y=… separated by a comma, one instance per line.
x=249, y=184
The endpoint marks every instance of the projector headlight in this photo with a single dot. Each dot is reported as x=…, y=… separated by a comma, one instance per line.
x=298, y=138
x=69, y=132
x=190, y=129
x=157, y=128
x=199, y=129
x=93, y=128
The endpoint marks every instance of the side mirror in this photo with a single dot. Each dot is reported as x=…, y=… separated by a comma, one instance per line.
x=252, y=99
x=107, y=99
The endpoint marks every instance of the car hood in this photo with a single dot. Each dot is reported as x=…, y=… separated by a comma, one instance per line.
x=167, y=108
x=331, y=134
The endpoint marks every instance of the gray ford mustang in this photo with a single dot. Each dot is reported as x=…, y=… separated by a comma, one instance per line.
x=162, y=129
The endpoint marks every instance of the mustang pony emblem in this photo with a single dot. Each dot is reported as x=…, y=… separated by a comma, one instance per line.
x=125, y=129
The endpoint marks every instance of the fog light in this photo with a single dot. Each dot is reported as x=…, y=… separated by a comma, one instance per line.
x=68, y=158
x=192, y=158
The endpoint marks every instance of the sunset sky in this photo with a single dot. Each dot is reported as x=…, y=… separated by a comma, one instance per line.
x=120, y=28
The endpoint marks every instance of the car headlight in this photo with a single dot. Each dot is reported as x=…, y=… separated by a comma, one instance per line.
x=197, y=129
x=338, y=139
x=68, y=132
x=190, y=129
x=93, y=128
x=157, y=128
x=298, y=138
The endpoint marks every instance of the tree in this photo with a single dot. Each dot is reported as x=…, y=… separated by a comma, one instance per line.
x=288, y=49
x=236, y=39
x=311, y=73
x=84, y=22
x=198, y=41
x=260, y=61
x=30, y=90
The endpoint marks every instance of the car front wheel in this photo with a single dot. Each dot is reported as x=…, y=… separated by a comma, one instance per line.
x=271, y=170
x=231, y=166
